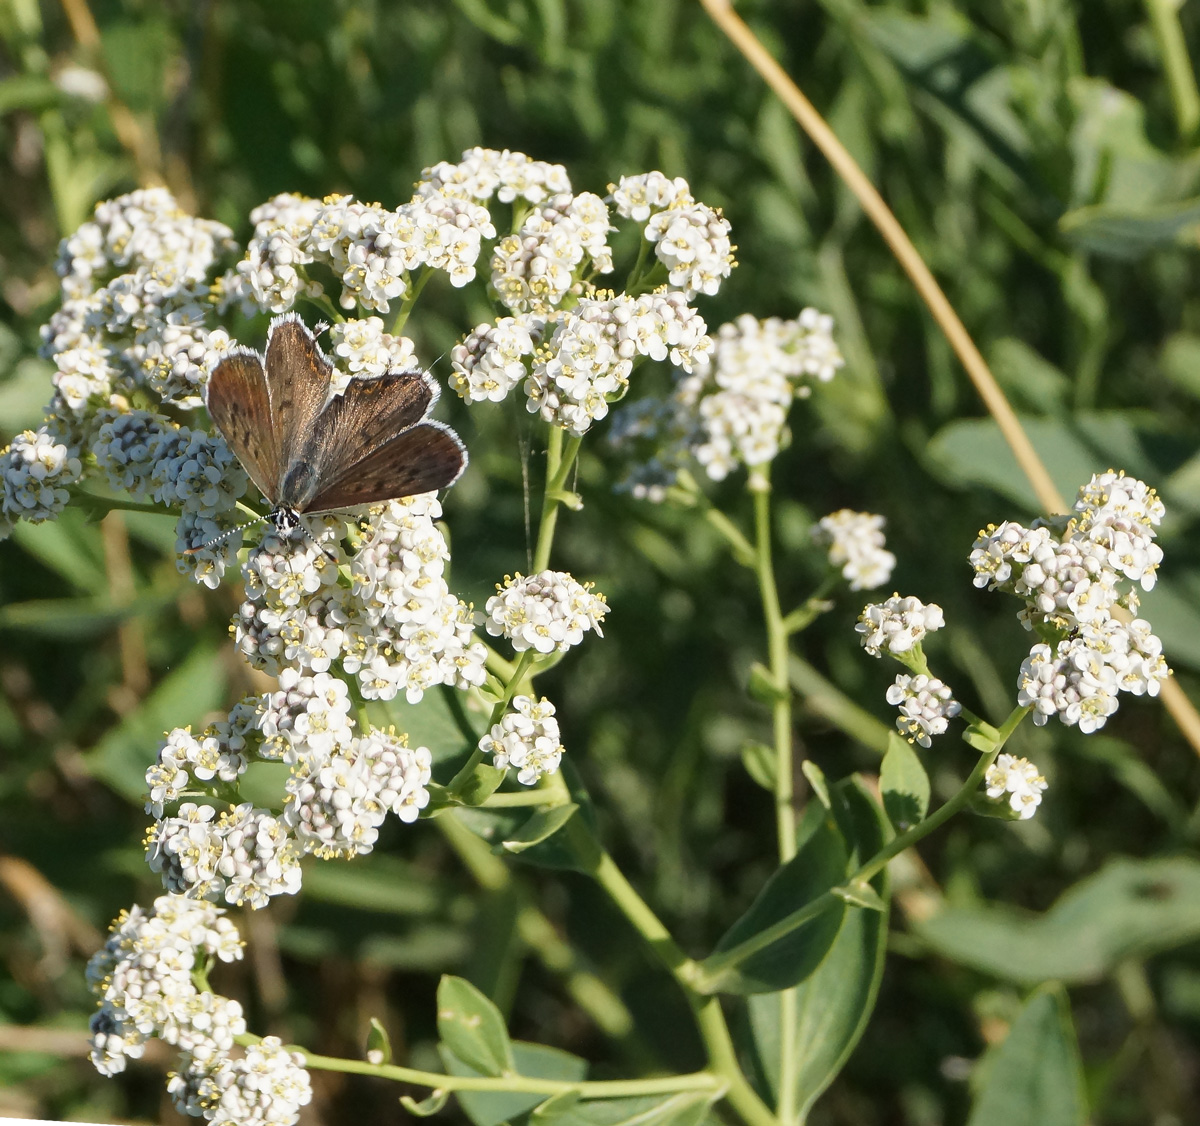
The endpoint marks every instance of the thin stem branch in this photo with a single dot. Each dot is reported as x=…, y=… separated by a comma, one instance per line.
x=560, y=457
x=1177, y=66
x=722, y=14
x=595, y=1089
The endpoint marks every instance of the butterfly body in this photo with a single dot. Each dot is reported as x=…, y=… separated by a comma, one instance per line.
x=310, y=453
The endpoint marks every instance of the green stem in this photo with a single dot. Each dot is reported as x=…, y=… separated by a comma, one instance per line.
x=406, y=306
x=596, y=1089
x=710, y=1019
x=560, y=457
x=524, y=797
x=718, y=964
x=501, y=706
x=743, y=549
x=114, y=504
x=785, y=813
x=1177, y=66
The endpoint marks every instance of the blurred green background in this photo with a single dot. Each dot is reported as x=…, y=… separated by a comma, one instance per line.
x=1041, y=154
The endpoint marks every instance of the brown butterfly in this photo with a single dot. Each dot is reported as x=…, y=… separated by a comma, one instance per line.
x=310, y=453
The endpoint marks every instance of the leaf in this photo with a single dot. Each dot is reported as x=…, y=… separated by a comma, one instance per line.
x=379, y=1044
x=819, y=865
x=471, y=1027
x=686, y=1108
x=1129, y=909
x=833, y=1005
x=759, y=761
x=1034, y=1075
x=376, y=882
x=763, y=687
x=77, y=618
x=859, y=893
x=488, y=1108
x=903, y=783
x=543, y=824
x=183, y=697
x=485, y=780
x=1124, y=233
x=816, y=779
x=68, y=546
x=426, y=1108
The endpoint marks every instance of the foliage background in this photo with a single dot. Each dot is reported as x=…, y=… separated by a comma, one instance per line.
x=1042, y=157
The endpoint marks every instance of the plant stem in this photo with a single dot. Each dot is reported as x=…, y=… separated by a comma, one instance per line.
x=597, y=1089
x=560, y=457
x=710, y=1020
x=1177, y=66
x=781, y=717
x=410, y=300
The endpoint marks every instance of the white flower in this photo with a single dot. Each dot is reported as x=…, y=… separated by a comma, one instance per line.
x=266, y=1087
x=548, y=611
x=490, y=361
x=483, y=173
x=365, y=349
x=244, y=855
x=692, y=240
x=1018, y=782
x=526, y=738
x=732, y=409
x=855, y=541
x=35, y=471
x=142, y=978
x=898, y=624
x=638, y=197
x=926, y=704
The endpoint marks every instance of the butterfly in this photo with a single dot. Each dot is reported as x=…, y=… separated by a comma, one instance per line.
x=312, y=453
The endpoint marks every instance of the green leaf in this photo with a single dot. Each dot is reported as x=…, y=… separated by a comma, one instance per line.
x=379, y=1043
x=490, y=1108
x=68, y=546
x=816, y=779
x=1129, y=909
x=183, y=697
x=1034, y=1075
x=426, y=1108
x=543, y=824
x=472, y=1028
x=1129, y=233
x=904, y=783
x=376, y=882
x=763, y=687
x=77, y=618
x=687, y=1108
x=759, y=761
x=834, y=1004
x=812, y=872
x=859, y=893
x=484, y=782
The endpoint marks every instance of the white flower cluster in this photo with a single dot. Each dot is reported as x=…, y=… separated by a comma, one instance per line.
x=548, y=611
x=142, y=977
x=1017, y=781
x=733, y=409
x=265, y=1087
x=897, y=625
x=135, y=298
x=364, y=348
x=484, y=173
x=574, y=346
x=926, y=705
x=1072, y=574
x=243, y=855
x=371, y=249
x=690, y=239
x=397, y=628
x=526, y=738
x=586, y=362
x=153, y=458
x=341, y=788
x=337, y=799
x=35, y=471
x=855, y=541
x=535, y=267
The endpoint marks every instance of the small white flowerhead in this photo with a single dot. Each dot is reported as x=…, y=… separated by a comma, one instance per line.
x=856, y=546
x=926, y=705
x=897, y=625
x=1016, y=781
x=526, y=738
x=548, y=611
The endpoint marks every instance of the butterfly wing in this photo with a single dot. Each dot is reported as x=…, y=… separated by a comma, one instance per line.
x=422, y=458
x=298, y=383
x=240, y=406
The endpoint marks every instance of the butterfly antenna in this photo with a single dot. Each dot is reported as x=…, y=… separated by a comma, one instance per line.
x=330, y=555
x=229, y=533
